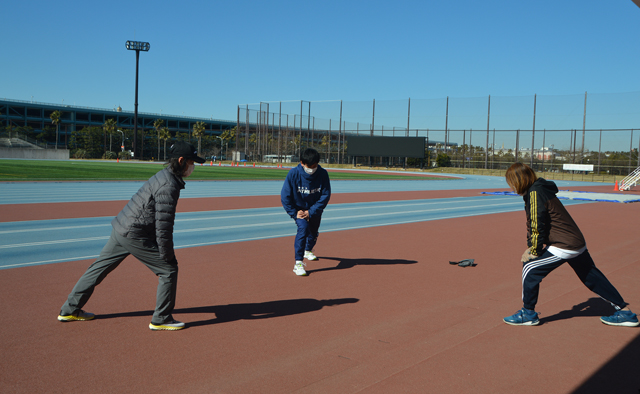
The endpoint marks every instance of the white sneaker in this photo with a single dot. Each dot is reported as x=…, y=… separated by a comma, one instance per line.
x=308, y=254
x=298, y=269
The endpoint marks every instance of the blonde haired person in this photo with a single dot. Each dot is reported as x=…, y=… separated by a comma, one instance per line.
x=554, y=239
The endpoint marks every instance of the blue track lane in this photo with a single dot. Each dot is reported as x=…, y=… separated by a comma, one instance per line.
x=50, y=192
x=52, y=241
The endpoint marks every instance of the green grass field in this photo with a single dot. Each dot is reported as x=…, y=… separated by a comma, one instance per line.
x=86, y=170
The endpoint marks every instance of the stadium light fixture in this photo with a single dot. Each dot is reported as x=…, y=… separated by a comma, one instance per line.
x=136, y=46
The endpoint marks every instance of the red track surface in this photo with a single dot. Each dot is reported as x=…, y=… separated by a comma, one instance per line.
x=19, y=212
x=381, y=312
x=46, y=211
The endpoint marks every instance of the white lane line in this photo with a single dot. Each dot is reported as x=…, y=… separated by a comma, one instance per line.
x=338, y=229
x=61, y=241
x=53, y=228
x=249, y=215
x=226, y=228
x=265, y=237
x=278, y=235
x=418, y=220
x=334, y=208
x=338, y=208
x=237, y=240
x=270, y=223
x=283, y=222
x=420, y=211
x=48, y=261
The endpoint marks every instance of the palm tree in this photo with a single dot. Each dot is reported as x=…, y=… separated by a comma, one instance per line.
x=297, y=140
x=157, y=124
x=227, y=136
x=253, y=141
x=164, y=134
x=198, y=132
x=326, y=143
x=55, y=119
x=109, y=126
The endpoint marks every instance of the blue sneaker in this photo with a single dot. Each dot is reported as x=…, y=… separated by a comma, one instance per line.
x=621, y=318
x=524, y=317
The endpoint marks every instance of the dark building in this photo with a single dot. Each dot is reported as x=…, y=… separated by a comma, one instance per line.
x=17, y=113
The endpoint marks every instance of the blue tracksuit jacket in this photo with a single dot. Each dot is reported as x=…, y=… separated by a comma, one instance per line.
x=302, y=192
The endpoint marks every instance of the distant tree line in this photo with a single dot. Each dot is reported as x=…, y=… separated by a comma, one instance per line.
x=95, y=142
x=609, y=162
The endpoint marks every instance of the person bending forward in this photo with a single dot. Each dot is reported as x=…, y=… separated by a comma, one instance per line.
x=144, y=228
x=304, y=196
x=554, y=239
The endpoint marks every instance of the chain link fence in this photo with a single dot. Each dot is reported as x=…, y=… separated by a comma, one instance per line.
x=487, y=133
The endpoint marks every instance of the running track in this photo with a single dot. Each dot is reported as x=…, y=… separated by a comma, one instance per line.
x=51, y=241
x=381, y=312
x=36, y=242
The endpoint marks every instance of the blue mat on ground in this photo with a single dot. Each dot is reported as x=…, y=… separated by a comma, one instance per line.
x=500, y=193
x=586, y=196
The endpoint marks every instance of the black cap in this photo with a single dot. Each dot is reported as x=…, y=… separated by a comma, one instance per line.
x=186, y=150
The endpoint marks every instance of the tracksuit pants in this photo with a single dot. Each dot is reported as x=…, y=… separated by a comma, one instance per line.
x=113, y=253
x=306, y=236
x=533, y=271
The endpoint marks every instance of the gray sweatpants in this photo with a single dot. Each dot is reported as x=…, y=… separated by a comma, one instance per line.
x=116, y=250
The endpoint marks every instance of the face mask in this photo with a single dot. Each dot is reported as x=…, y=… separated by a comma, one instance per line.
x=188, y=171
x=310, y=170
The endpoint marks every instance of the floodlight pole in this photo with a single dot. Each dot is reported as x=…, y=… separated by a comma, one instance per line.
x=221, y=145
x=136, y=46
x=122, y=146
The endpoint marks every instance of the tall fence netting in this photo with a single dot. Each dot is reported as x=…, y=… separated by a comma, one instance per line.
x=482, y=132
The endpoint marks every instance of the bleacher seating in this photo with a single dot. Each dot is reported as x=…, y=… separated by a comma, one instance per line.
x=631, y=180
x=17, y=143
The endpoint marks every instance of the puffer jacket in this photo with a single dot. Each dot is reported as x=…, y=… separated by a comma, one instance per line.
x=151, y=212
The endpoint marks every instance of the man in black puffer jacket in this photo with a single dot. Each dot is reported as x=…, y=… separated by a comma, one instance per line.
x=144, y=228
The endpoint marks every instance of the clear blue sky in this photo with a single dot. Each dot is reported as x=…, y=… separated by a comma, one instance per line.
x=207, y=57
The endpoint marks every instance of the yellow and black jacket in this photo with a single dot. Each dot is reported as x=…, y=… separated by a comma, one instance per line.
x=548, y=222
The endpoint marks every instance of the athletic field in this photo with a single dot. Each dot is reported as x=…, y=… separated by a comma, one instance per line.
x=382, y=311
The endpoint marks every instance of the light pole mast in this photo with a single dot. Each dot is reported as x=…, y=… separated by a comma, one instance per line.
x=122, y=145
x=136, y=46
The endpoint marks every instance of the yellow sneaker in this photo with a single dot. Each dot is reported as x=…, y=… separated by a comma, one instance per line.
x=78, y=315
x=172, y=325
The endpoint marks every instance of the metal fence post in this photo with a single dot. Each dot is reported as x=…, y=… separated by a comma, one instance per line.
x=486, y=147
x=584, y=123
x=533, y=132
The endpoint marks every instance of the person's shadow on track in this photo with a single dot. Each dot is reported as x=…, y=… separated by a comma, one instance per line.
x=261, y=310
x=249, y=311
x=590, y=308
x=350, y=263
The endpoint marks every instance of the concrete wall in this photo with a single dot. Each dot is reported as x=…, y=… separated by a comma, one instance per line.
x=48, y=154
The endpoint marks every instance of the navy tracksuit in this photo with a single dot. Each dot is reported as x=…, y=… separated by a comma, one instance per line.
x=306, y=192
